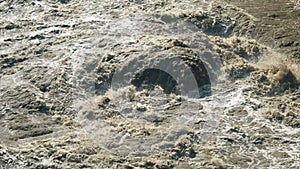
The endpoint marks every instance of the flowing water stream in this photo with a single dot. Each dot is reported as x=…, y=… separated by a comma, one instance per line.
x=140, y=84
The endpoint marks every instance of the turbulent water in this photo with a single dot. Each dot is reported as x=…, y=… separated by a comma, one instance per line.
x=140, y=84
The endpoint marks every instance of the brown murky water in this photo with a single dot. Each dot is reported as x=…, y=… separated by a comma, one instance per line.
x=140, y=84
